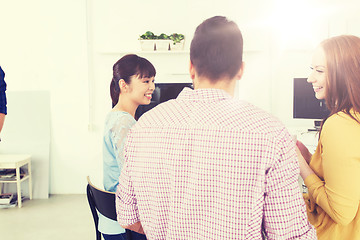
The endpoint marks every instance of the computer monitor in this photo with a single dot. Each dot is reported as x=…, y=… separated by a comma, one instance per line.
x=305, y=104
x=163, y=92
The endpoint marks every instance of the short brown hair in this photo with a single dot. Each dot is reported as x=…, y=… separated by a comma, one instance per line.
x=217, y=48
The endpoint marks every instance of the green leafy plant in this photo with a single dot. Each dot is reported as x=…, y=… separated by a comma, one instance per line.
x=163, y=36
x=148, y=35
x=175, y=37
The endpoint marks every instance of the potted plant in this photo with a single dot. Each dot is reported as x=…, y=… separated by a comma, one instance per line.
x=163, y=42
x=178, y=41
x=147, y=41
x=151, y=42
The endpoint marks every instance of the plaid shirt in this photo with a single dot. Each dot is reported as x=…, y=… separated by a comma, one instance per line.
x=206, y=166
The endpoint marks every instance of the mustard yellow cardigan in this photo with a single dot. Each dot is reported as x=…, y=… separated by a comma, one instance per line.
x=334, y=190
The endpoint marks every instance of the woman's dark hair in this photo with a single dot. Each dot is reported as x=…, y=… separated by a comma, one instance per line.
x=127, y=66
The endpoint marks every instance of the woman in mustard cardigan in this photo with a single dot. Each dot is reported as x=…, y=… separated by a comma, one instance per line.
x=332, y=173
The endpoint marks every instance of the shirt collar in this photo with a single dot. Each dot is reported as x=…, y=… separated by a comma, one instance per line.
x=204, y=94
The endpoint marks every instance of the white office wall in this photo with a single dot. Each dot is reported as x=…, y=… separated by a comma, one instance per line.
x=118, y=24
x=294, y=43
x=68, y=48
x=43, y=46
x=27, y=131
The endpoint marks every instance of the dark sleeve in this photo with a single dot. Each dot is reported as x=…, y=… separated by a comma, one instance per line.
x=3, y=107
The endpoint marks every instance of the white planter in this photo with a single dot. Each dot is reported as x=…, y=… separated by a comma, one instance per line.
x=177, y=46
x=163, y=44
x=147, y=45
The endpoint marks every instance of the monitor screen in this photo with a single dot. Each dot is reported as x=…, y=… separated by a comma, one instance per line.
x=305, y=104
x=162, y=93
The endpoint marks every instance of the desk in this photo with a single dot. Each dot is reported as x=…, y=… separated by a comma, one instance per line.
x=16, y=161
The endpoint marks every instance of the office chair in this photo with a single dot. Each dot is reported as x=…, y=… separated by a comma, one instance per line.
x=104, y=202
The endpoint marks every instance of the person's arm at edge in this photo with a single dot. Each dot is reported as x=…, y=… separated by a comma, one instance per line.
x=2, y=119
x=3, y=108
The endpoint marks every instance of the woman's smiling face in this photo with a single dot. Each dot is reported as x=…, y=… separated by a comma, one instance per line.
x=318, y=73
x=141, y=89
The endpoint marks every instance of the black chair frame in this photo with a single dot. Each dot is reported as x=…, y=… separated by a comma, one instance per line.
x=104, y=202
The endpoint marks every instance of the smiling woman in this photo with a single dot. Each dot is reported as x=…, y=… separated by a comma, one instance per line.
x=132, y=85
x=332, y=173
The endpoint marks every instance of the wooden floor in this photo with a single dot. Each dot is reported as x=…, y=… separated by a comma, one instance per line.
x=59, y=217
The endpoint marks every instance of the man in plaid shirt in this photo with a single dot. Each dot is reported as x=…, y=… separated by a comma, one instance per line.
x=207, y=166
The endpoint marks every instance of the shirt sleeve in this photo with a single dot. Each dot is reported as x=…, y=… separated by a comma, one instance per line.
x=338, y=193
x=285, y=214
x=118, y=134
x=126, y=203
x=3, y=102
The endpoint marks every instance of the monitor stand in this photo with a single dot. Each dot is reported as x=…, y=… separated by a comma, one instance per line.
x=317, y=126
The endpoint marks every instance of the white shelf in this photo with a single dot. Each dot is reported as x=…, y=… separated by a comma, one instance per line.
x=13, y=179
x=175, y=52
x=16, y=161
x=139, y=52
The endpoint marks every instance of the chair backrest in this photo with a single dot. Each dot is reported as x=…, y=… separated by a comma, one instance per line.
x=104, y=201
x=93, y=211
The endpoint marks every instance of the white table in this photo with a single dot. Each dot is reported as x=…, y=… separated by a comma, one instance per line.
x=16, y=161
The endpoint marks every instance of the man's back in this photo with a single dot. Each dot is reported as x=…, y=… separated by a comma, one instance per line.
x=205, y=166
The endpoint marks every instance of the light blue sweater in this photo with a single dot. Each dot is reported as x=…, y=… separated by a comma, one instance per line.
x=117, y=125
